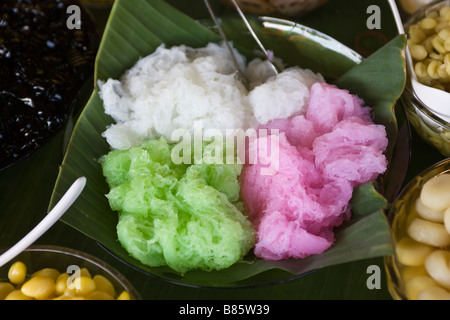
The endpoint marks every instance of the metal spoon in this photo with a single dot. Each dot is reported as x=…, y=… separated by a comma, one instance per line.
x=436, y=100
x=240, y=73
x=269, y=57
x=50, y=219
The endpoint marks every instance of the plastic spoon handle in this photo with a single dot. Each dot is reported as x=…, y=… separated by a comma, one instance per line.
x=50, y=219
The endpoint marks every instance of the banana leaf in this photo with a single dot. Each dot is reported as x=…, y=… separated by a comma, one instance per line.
x=135, y=29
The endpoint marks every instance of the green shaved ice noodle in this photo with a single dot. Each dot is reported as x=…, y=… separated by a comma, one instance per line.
x=184, y=216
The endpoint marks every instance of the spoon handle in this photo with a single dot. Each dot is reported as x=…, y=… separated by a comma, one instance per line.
x=58, y=210
x=401, y=30
x=397, y=17
x=241, y=73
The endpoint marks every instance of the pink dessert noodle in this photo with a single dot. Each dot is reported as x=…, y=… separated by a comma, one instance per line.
x=323, y=155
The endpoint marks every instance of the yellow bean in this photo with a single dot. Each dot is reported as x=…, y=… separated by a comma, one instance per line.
x=432, y=69
x=84, y=272
x=411, y=272
x=418, y=51
x=428, y=45
x=48, y=283
x=17, y=295
x=61, y=283
x=5, y=289
x=421, y=70
x=443, y=75
x=69, y=293
x=438, y=44
x=435, y=192
x=124, y=295
x=444, y=33
x=427, y=24
x=417, y=284
x=17, y=272
x=39, y=287
x=432, y=33
x=427, y=232
x=412, y=253
x=447, y=44
x=434, y=293
x=436, y=56
x=83, y=285
x=104, y=285
x=444, y=11
x=62, y=297
x=437, y=265
x=442, y=25
x=47, y=272
x=427, y=213
x=416, y=34
x=99, y=295
x=447, y=58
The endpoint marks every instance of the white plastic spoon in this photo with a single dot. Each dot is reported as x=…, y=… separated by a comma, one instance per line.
x=436, y=100
x=50, y=219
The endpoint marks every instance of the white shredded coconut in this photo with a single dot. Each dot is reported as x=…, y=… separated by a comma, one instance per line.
x=172, y=88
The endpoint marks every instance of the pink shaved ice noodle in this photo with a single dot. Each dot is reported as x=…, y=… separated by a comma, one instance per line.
x=323, y=155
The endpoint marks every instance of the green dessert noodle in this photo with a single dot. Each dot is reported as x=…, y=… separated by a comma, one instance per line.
x=180, y=215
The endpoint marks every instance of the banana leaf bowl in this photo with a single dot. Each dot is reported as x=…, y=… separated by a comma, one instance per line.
x=135, y=29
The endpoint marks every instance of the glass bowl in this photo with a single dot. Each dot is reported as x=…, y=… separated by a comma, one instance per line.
x=402, y=279
x=67, y=260
x=430, y=128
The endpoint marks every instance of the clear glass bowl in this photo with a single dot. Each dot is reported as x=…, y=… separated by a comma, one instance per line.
x=400, y=215
x=430, y=128
x=61, y=258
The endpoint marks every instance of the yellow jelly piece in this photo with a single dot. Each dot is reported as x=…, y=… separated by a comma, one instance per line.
x=124, y=296
x=434, y=293
x=99, y=295
x=47, y=272
x=5, y=289
x=104, y=285
x=411, y=252
x=17, y=295
x=83, y=286
x=61, y=283
x=39, y=287
x=416, y=284
x=17, y=272
x=427, y=232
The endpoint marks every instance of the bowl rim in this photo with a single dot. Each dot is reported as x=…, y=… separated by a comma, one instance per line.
x=424, y=110
x=111, y=271
x=391, y=262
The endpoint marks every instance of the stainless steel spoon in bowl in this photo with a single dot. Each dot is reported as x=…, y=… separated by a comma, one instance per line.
x=241, y=73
